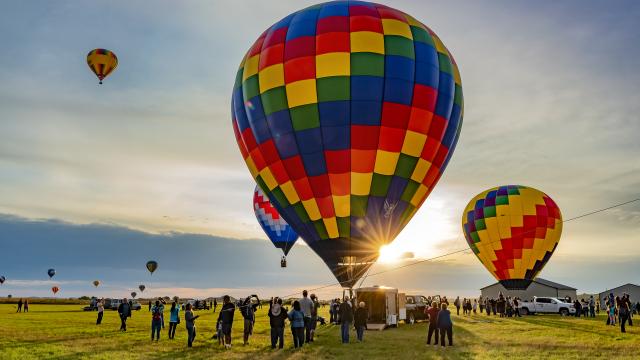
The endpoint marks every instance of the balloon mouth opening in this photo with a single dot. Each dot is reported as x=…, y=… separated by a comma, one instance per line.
x=516, y=284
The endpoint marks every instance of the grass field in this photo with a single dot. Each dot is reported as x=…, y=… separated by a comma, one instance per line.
x=66, y=332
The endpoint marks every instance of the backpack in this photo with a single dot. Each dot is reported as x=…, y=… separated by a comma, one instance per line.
x=156, y=314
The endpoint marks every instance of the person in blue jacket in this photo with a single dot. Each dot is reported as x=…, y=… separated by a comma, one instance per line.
x=445, y=325
x=296, y=317
x=174, y=319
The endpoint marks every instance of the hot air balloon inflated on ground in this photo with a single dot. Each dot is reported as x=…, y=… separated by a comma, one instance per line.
x=142, y=287
x=279, y=232
x=152, y=266
x=51, y=273
x=347, y=114
x=102, y=62
x=55, y=290
x=513, y=230
x=96, y=283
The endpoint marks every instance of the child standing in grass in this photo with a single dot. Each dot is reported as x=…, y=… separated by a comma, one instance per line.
x=445, y=325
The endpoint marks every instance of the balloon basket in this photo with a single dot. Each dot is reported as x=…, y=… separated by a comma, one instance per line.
x=283, y=263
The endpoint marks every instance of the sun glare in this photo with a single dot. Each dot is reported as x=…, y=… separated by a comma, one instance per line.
x=389, y=254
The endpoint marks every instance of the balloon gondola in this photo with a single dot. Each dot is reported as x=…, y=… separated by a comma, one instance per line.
x=347, y=114
x=513, y=230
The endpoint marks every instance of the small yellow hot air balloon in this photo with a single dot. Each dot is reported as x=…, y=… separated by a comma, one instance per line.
x=513, y=230
x=102, y=62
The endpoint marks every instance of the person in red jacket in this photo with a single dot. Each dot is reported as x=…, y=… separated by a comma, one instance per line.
x=432, y=314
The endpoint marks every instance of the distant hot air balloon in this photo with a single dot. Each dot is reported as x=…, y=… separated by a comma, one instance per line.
x=133, y=294
x=51, y=273
x=2, y=280
x=102, y=62
x=513, y=230
x=142, y=287
x=55, y=290
x=347, y=114
x=152, y=266
x=276, y=228
x=96, y=283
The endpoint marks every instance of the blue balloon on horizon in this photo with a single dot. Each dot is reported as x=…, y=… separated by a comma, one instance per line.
x=51, y=272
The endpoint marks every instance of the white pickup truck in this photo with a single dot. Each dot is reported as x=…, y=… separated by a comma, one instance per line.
x=546, y=305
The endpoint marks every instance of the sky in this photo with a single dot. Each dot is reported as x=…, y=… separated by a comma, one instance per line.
x=96, y=180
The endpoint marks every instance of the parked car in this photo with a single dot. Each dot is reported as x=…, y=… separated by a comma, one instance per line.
x=415, y=305
x=546, y=305
x=136, y=306
x=113, y=304
x=197, y=304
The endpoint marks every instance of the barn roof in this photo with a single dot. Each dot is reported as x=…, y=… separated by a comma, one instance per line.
x=618, y=287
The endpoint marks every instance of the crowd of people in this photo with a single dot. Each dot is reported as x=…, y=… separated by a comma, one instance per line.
x=303, y=316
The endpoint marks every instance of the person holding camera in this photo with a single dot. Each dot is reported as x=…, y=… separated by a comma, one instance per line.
x=277, y=316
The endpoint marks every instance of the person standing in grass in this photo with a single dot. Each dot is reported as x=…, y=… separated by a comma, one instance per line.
x=296, y=317
x=156, y=321
x=19, y=305
x=26, y=307
x=360, y=320
x=456, y=303
x=215, y=304
x=623, y=311
x=149, y=305
x=248, y=311
x=124, y=310
x=305, y=305
x=445, y=325
x=277, y=316
x=432, y=314
x=225, y=317
x=174, y=319
x=346, y=318
x=313, y=322
x=190, y=322
x=100, y=306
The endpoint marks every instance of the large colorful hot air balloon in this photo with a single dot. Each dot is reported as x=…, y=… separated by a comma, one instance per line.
x=55, y=290
x=276, y=228
x=2, y=280
x=51, y=273
x=152, y=266
x=102, y=62
x=142, y=287
x=513, y=230
x=96, y=283
x=347, y=114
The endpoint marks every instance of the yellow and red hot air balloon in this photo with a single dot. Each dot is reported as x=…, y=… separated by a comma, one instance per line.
x=347, y=114
x=102, y=62
x=55, y=290
x=513, y=230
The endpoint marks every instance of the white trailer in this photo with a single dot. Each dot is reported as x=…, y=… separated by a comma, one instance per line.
x=382, y=304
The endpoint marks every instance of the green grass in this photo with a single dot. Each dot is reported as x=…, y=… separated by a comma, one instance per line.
x=66, y=332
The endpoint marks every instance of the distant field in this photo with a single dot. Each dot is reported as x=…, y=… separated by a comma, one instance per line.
x=66, y=332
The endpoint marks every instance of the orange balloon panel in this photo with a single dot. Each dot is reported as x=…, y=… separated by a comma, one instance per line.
x=513, y=230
